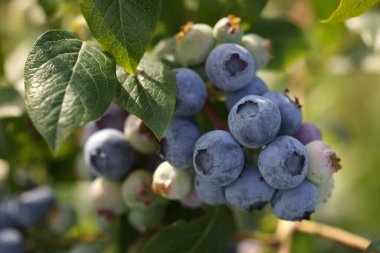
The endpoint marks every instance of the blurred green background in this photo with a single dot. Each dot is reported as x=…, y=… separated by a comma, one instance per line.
x=333, y=69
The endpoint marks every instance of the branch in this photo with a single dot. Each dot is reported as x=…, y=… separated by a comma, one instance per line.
x=334, y=234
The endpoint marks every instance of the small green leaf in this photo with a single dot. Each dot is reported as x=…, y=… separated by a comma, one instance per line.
x=68, y=83
x=374, y=247
x=123, y=28
x=150, y=94
x=210, y=233
x=350, y=8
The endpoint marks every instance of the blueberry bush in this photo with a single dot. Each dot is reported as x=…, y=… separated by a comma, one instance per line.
x=189, y=126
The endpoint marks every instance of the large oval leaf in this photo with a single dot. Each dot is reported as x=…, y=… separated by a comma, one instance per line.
x=211, y=233
x=68, y=83
x=123, y=28
x=150, y=94
x=350, y=8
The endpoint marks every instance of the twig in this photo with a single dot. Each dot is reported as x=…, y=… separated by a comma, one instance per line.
x=334, y=234
x=284, y=234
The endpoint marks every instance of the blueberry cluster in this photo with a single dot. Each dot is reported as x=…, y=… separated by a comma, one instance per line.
x=293, y=167
x=31, y=209
x=118, y=186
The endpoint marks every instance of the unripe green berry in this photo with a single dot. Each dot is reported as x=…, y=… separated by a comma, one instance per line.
x=107, y=198
x=323, y=162
x=171, y=182
x=139, y=136
x=259, y=49
x=325, y=190
x=62, y=219
x=145, y=219
x=193, y=44
x=137, y=192
x=228, y=30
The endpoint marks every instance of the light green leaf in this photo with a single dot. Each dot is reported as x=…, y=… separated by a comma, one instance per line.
x=149, y=94
x=123, y=28
x=67, y=84
x=350, y=8
x=210, y=233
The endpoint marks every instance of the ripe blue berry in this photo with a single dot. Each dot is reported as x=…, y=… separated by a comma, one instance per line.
x=209, y=193
x=218, y=158
x=34, y=206
x=230, y=67
x=291, y=115
x=250, y=191
x=255, y=87
x=108, y=154
x=284, y=163
x=254, y=121
x=11, y=241
x=178, y=142
x=307, y=133
x=191, y=93
x=297, y=203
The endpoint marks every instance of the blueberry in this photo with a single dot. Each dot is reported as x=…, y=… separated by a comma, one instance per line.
x=191, y=93
x=108, y=154
x=258, y=47
x=165, y=49
x=62, y=219
x=170, y=182
x=142, y=220
x=291, y=115
x=114, y=117
x=11, y=241
x=193, y=44
x=254, y=121
x=139, y=135
x=218, y=158
x=297, y=203
x=35, y=205
x=284, y=163
x=250, y=191
x=8, y=213
x=325, y=190
x=255, y=87
x=137, y=191
x=308, y=133
x=107, y=198
x=323, y=162
x=178, y=142
x=208, y=192
x=230, y=67
x=228, y=30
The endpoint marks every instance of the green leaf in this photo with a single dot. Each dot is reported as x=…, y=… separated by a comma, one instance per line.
x=210, y=233
x=350, y=8
x=150, y=94
x=67, y=84
x=123, y=28
x=374, y=247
